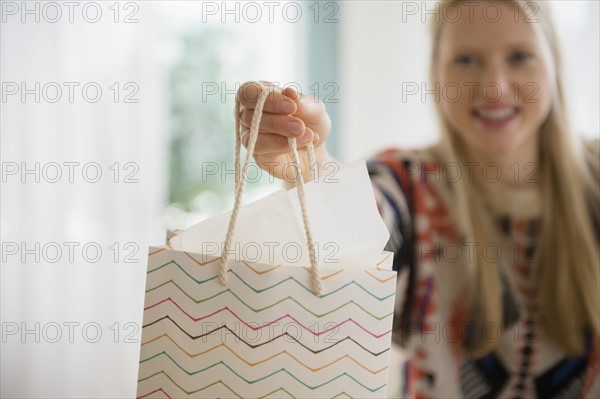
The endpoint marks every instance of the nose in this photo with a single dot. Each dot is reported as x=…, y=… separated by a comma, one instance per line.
x=496, y=82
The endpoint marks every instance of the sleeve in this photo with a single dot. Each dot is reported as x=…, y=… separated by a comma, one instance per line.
x=393, y=191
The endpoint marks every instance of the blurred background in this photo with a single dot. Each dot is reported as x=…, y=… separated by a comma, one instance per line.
x=116, y=124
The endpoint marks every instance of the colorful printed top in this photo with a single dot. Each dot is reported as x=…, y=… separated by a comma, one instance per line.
x=414, y=201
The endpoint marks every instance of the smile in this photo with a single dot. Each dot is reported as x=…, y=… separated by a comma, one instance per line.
x=495, y=118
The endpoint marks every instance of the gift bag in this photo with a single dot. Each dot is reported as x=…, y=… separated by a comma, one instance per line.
x=291, y=296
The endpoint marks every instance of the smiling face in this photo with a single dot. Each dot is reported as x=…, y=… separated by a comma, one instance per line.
x=506, y=76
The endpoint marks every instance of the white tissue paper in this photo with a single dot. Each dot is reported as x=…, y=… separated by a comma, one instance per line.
x=345, y=223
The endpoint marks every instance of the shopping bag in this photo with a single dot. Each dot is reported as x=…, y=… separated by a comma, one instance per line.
x=229, y=313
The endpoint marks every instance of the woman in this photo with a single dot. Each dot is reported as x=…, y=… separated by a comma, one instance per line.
x=495, y=228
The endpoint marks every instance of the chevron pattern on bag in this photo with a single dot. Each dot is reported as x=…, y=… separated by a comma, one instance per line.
x=264, y=334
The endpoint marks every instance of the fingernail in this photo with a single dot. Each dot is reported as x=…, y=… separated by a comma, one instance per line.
x=295, y=127
x=292, y=93
x=306, y=137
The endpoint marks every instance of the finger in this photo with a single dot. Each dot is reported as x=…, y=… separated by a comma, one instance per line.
x=272, y=123
x=292, y=93
x=275, y=103
x=308, y=107
x=308, y=137
x=316, y=138
x=269, y=143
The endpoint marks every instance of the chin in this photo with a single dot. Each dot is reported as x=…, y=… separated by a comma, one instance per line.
x=498, y=148
x=502, y=142
x=498, y=151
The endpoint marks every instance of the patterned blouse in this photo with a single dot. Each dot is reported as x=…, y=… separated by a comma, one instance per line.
x=433, y=304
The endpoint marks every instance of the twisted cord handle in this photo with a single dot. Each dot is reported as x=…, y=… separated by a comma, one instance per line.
x=240, y=183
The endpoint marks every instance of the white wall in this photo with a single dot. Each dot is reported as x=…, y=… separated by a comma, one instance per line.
x=377, y=54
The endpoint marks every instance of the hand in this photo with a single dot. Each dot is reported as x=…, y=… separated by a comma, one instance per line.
x=285, y=114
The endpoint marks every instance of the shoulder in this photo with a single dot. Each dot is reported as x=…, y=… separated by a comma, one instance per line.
x=405, y=154
x=405, y=164
x=409, y=176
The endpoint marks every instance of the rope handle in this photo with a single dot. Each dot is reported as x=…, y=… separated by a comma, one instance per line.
x=240, y=183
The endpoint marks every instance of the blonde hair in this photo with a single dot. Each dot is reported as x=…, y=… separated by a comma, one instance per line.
x=567, y=270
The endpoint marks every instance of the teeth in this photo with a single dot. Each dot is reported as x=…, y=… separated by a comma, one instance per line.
x=497, y=115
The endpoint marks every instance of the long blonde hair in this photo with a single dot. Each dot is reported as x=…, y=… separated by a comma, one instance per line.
x=567, y=270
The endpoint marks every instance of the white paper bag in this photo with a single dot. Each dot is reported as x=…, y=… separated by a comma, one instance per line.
x=263, y=332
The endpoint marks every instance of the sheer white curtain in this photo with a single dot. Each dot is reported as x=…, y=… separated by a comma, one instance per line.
x=64, y=320
x=70, y=325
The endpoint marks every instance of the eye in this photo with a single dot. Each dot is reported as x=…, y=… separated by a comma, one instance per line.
x=466, y=60
x=520, y=57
